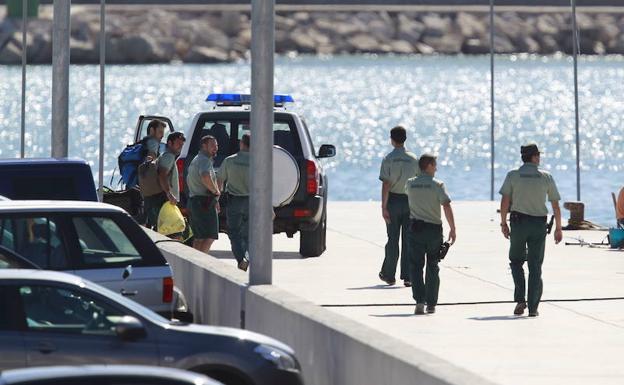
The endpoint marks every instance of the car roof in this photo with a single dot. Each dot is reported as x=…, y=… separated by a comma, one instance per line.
x=56, y=206
x=41, y=275
x=59, y=372
x=41, y=161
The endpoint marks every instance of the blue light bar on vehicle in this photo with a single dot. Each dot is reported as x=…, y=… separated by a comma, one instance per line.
x=240, y=99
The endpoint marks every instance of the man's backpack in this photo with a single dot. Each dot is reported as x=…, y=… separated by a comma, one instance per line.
x=129, y=160
x=148, y=178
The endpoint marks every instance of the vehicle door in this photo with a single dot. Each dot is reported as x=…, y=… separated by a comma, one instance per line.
x=12, y=353
x=112, y=250
x=70, y=325
x=140, y=131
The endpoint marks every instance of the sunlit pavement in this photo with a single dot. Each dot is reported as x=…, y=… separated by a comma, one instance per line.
x=577, y=338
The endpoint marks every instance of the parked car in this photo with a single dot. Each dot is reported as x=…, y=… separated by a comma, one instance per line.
x=96, y=241
x=52, y=318
x=306, y=212
x=47, y=178
x=103, y=375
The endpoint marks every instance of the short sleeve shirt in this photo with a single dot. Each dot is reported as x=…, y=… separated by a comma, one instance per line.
x=151, y=145
x=200, y=166
x=529, y=187
x=235, y=171
x=167, y=161
x=425, y=195
x=397, y=167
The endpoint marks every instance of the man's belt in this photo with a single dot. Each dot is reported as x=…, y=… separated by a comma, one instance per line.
x=517, y=217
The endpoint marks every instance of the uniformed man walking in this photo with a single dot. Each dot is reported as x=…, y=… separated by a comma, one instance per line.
x=234, y=173
x=204, y=195
x=524, y=192
x=396, y=168
x=425, y=196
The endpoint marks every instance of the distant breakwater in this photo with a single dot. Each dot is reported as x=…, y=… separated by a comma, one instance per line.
x=148, y=35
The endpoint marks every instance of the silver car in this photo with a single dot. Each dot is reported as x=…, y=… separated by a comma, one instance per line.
x=93, y=240
x=52, y=318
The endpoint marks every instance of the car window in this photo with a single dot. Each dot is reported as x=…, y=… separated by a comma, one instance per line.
x=103, y=243
x=37, y=239
x=222, y=131
x=57, y=309
x=283, y=135
x=10, y=306
x=9, y=261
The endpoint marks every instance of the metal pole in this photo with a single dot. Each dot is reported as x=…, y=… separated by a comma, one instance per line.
x=102, y=90
x=576, y=105
x=24, y=51
x=261, y=221
x=60, y=77
x=492, y=98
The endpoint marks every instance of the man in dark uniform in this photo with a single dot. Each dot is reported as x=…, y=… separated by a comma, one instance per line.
x=396, y=168
x=426, y=195
x=524, y=192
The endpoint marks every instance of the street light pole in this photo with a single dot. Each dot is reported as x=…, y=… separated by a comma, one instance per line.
x=60, y=77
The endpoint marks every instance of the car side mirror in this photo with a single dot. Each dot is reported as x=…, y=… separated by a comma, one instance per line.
x=327, y=151
x=129, y=329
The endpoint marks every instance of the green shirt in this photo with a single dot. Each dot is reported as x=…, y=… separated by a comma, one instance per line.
x=201, y=165
x=167, y=161
x=235, y=171
x=397, y=167
x=528, y=187
x=425, y=195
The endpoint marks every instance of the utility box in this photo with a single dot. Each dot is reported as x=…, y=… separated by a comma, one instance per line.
x=15, y=8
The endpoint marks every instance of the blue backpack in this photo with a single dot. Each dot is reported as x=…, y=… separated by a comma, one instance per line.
x=129, y=160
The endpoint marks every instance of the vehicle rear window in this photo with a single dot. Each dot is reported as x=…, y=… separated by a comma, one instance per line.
x=103, y=242
x=36, y=238
x=40, y=188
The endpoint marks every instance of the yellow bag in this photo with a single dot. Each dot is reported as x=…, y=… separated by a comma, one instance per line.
x=170, y=219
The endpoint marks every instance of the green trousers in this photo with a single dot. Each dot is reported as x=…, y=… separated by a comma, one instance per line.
x=528, y=239
x=399, y=223
x=237, y=215
x=425, y=247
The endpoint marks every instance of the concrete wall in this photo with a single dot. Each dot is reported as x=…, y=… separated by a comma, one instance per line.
x=332, y=349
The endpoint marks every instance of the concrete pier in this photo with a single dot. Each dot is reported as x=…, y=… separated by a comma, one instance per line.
x=578, y=337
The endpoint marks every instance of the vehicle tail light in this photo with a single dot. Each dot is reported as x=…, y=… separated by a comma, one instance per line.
x=180, y=164
x=300, y=213
x=167, y=290
x=312, y=182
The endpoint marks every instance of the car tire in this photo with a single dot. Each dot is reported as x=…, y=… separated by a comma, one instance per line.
x=313, y=243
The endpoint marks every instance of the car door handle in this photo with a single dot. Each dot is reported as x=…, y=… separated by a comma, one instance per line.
x=130, y=293
x=46, y=347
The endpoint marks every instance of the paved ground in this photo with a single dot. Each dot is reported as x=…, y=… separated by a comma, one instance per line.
x=578, y=338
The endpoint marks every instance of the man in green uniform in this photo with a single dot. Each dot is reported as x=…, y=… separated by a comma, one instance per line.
x=396, y=168
x=425, y=195
x=167, y=178
x=524, y=192
x=204, y=195
x=234, y=173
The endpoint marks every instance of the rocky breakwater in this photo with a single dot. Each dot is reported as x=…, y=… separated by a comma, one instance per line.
x=146, y=35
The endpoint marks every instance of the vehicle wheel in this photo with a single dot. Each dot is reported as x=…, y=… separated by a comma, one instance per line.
x=226, y=377
x=313, y=243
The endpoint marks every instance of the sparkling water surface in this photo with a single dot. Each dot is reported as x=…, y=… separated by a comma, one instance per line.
x=352, y=102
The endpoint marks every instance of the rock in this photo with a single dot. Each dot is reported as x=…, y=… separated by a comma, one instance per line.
x=527, y=44
x=476, y=46
x=83, y=52
x=303, y=42
x=363, y=43
x=139, y=49
x=381, y=30
x=206, y=55
x=470, y=26
x=229, y=23
x=436, y=26
x=342, y=28
x=546, y=25
x=424, y=49
x=502, y=44
x=615, y=47
x=11, y=54
x=402, y=47
x=40, y=51
x=548, y=44
x=409, y=30
x=210, y=37
x=447, y=44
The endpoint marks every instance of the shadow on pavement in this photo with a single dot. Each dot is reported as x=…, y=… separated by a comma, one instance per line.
x=499, y=318
x=380, y=286
x=225, y=254
x=396, y=315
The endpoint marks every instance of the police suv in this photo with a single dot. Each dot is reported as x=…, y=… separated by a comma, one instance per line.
x=300, y=185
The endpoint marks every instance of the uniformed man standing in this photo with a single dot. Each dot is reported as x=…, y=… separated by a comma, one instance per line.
x=525, y=190
x=234, y=173
x=204, y=195
x=425, y=196
x=396, y=168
